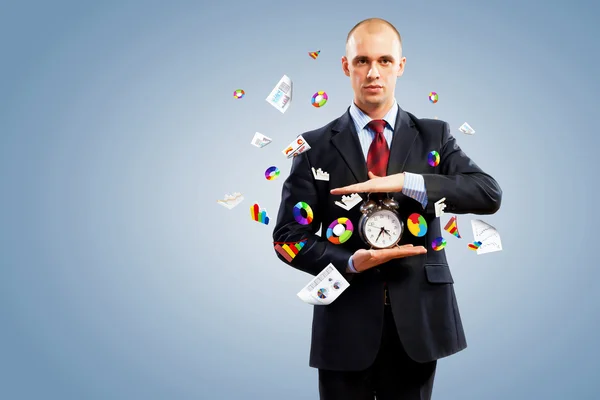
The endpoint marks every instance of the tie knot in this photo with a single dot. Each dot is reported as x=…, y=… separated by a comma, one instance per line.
x=378, y=125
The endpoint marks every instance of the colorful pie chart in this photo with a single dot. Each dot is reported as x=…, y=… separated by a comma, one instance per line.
x=417, y=225
x=238, y=94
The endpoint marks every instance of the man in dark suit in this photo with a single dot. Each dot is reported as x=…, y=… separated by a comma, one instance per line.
x=383, y=336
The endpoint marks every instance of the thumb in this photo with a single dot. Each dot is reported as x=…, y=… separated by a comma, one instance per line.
x=372, y=175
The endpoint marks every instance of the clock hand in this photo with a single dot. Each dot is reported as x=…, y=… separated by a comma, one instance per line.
x=380, y=232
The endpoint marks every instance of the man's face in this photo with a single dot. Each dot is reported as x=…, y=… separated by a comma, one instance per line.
x=373, y=62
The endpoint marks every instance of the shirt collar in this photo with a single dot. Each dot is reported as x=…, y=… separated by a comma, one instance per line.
x=362, y=119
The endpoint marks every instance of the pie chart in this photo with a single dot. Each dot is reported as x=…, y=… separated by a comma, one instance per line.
x=417, y=225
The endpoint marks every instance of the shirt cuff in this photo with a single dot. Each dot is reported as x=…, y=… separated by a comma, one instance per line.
x=414, y=187
x=351, y=266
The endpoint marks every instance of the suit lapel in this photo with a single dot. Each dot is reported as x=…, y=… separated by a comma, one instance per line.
x=345, y=140
x=403, y=139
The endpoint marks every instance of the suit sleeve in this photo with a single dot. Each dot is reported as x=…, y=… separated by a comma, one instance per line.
x=467, y=189
x=317, y=252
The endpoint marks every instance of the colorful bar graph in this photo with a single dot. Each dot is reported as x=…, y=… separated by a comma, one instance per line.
x=259, y=215
x=289, y=250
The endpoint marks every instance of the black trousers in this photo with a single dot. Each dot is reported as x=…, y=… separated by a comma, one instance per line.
x=393, y=375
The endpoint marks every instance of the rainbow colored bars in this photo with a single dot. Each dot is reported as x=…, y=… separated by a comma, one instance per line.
x=452, y=228
x=289, y=250
x=314, y=54
x=259, y=215
x=474, y=245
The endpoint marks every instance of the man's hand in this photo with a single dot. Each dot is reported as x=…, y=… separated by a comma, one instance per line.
x=366, y=259
x=375, y=184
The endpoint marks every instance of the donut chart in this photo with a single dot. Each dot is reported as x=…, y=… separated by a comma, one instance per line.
x=298, y=208
x=417, y=225
x=433, y=158
x=433, y=97
x=340, y=230
x=438, y=244
x=238, y=94
x=272, y=173
x=319, y=99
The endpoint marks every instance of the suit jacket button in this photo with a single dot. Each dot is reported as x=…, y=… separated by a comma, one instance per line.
x=377, y=270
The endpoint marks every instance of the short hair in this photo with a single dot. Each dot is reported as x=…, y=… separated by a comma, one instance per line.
x=374, y=21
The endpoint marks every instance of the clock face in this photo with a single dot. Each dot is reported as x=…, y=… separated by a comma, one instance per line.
x=383, y=229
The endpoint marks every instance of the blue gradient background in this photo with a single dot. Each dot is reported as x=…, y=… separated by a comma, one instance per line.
x=121, y=277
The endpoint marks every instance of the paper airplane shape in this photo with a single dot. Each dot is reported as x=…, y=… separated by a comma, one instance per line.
x=487, y=235
x=320, y=175
x=349, y=202
x=314, y=54
x=439, y=207
x=466, y=128
x=289, y=250
x=231, y=200
x=452, y=227
x=259, y=215
x=259, y=140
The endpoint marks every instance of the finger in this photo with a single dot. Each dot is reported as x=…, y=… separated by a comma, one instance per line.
x=356, y=188
x=372, y=175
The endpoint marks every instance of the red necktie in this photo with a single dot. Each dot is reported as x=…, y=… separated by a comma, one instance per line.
x=379, y=152
x=377, y=161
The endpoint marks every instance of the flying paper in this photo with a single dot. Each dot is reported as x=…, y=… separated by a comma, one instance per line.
x=231, y=200
x=349, y=202
x=260, y=140
x=281, y=95
x=297, y=147
x=319, y=174
x=439, y=207
x=487, y=235
x=466, y=129
x=324, y=288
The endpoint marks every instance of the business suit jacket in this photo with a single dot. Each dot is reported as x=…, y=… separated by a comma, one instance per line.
x=346, y=334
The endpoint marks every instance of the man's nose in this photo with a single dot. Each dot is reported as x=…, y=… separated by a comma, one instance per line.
x=373, y=72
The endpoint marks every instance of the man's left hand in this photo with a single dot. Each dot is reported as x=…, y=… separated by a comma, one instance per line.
x=375, y=184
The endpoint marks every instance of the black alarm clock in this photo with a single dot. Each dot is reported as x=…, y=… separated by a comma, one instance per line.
x=380, y=225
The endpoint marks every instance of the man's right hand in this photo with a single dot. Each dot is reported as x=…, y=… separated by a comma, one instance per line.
x=366, y=259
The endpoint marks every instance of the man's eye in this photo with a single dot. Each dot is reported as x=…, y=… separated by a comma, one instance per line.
x=385, y=61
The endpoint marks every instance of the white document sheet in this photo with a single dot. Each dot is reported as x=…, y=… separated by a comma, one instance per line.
x=324, y=288
x=297, y=147
x=487, y=235
x=281, y=95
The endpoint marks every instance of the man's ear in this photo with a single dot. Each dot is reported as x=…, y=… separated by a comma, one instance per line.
x=345, y=66
x=401, y=66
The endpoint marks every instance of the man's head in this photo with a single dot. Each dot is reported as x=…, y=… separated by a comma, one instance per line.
x=373, y=61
